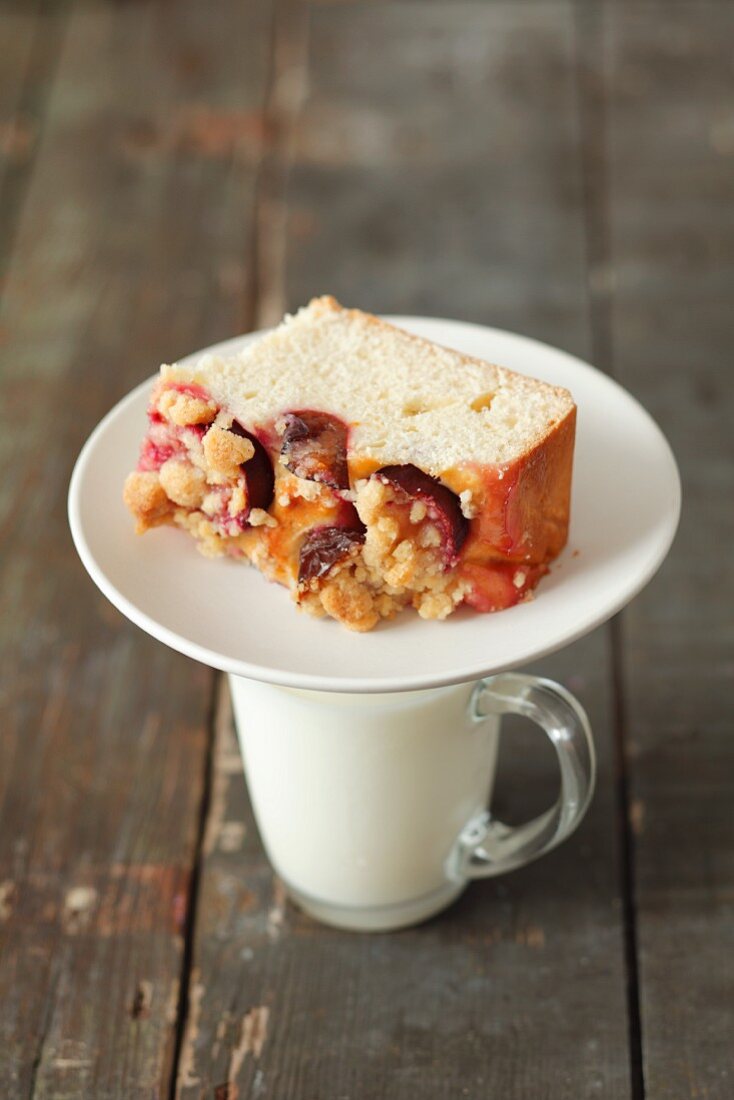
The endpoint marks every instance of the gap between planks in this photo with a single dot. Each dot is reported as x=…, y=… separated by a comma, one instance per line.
x=263, y=306
x=184, y=1016
x=285, y=95
x=589, y=30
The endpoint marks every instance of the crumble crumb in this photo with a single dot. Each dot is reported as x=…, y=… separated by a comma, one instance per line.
x=429, y=536
x=434, y=605
x=224, y=419
x=211, y=504
x=258, y=517
x=404, y=550
x=468, y=508
x=237, y=501
x=146, y=498
x=225, y=452
x=182, y=409
x=308, y=490
x=388, y=528
x=183, y=483
x=349, y=602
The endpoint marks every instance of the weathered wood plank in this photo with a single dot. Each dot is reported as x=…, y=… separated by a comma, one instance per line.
x=436, y=169
x=670, y=139
x=425, y=152
x=131, y=248
x=29, y=44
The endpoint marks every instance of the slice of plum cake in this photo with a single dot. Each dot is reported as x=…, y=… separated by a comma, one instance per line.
x=364, y=468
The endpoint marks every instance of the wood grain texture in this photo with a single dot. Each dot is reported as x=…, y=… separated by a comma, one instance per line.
x=666, y=70
x=519, y=990
x=436, y=166
x=130, y=249
x=30, y=38
x=16, y=44
x=170, y=176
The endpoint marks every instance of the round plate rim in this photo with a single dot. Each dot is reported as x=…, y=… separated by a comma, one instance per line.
x=367, y=684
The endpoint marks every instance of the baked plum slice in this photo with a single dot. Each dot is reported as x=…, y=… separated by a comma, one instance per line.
x=497, y=585
x=323, y=547
x=443, y=507
x=315, y=447
x=258, y=471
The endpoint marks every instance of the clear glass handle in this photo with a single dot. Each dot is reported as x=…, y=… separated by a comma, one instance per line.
x=488, y=847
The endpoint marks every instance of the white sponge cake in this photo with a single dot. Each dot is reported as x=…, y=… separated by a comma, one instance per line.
x=406, y=399
x=364, y=467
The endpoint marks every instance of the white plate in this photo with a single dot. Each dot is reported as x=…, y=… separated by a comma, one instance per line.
x=625, y=508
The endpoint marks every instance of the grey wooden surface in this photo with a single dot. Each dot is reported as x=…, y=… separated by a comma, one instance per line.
x=171, y=174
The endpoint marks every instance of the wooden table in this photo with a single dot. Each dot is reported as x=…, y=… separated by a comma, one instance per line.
x=174, y=173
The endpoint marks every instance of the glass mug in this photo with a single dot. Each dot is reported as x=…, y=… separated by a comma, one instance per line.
x=374, y=809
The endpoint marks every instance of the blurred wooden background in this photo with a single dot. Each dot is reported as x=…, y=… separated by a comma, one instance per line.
x=172, y=173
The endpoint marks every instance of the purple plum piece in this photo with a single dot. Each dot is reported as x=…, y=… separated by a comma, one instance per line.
x=443, y=506
x=316, y=447
x=258, y=471
x=323, y=547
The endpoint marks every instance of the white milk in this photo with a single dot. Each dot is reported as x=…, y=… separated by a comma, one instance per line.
x=360, y=799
